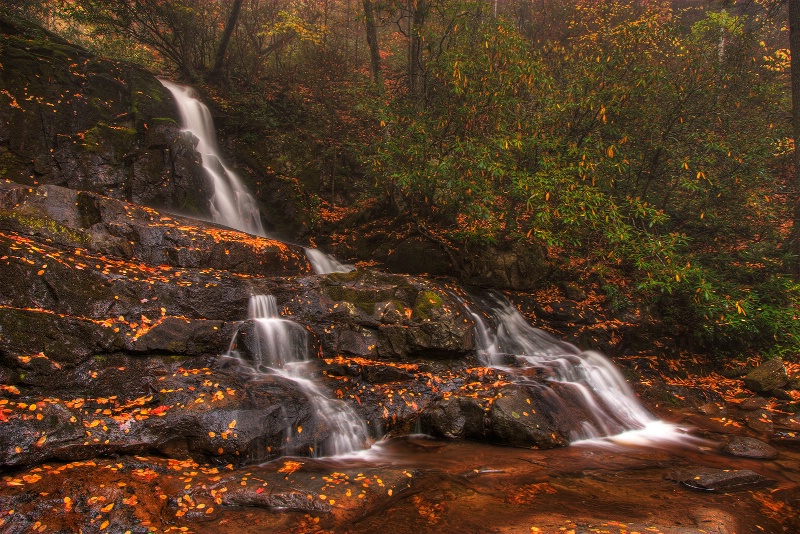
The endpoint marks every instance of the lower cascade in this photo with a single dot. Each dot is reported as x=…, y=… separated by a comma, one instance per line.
x=591, y=381
x=280, y=346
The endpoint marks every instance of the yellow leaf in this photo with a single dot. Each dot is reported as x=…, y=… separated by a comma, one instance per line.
x=232, y=424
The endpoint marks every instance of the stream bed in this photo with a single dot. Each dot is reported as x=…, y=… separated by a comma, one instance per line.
x=410, y=484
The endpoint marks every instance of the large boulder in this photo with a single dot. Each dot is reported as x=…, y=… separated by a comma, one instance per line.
x=215, y=415
x=722, y=480
x=767, y=377
x=747, y=447
x=519, y=266
x=536, y=414
x=380, y=316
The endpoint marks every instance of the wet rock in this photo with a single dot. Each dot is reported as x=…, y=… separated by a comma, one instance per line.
x=781, y=394
x=112, y=227
x=713, y=408
x=519, y=267
x=754, y=403
x=767, y=376
x=222, y=417
x=527, y=417
x=787, y=438
x=761, y=422
x=747, y=447
x=790, y=422
x=562, y=311
x=381, y=374
x=574, y=292
x=276, y=498
x=383, y=316
x=695, y=398
x=418, y=255
x=721, y=480
x=456, y=418
x=175, y=335
x=136, y=493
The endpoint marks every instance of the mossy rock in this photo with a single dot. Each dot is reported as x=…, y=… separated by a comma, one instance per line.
x=92, y=121
x=25, y=223
x=426, y=305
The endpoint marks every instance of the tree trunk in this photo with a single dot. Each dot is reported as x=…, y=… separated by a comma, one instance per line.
x=372, y=41
x=417, y=10
x=216, y=70
x=793, y=245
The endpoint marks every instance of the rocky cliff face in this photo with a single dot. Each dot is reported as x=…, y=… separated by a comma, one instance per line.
x=115, y=320
x=72, y=119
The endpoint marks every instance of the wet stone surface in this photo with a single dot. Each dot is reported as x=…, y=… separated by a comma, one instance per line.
x=411, y=485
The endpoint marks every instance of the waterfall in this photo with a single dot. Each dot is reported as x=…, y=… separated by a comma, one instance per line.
x=616, y=413
x=281, y=348
x=324, y=263
x=232, y=204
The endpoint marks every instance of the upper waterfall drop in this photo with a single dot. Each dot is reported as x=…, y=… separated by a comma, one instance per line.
x=232, y=204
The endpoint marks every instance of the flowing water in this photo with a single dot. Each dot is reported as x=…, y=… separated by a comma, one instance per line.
x=281, y=348
x=324, y=263
x=232, y=204
x=515, y=347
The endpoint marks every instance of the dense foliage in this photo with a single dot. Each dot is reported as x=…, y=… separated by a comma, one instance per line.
x=648, y=139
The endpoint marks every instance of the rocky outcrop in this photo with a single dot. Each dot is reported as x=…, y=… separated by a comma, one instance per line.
x=220, y=416
x=72, y=119
x=518, y=267
x=723, y=480
x=748, y=447
x=767, y=377
x=109, y=310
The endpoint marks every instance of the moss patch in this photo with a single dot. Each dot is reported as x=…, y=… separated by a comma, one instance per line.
x=426, y=302
x=23, y=222
x=120, y=138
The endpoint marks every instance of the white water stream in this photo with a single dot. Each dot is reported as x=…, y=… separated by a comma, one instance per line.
x=616, y=412
x=282, y=348
x=325, y=264
x=232, y=204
